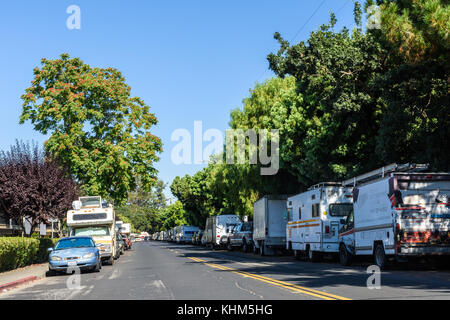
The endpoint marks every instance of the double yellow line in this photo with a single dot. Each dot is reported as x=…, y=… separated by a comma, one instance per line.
x=286, y=285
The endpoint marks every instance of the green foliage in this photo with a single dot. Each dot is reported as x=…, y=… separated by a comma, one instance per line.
x=172, y=216
x=16, y=252
x=98, y=130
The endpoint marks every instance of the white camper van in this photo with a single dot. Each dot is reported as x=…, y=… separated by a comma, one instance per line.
x=398, y=212
x=218, y=227
x=314, y=219
x=185, y=233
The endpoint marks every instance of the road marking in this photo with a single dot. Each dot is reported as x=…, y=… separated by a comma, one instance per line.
x=290, y=286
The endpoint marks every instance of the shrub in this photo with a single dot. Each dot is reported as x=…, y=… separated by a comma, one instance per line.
x=17, y=252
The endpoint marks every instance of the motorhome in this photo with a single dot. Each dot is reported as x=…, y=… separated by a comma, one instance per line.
x=218, y=227
x=185, y=233
x=399, y=211
x=269, y=224
x=315, y=218
x=93, y=217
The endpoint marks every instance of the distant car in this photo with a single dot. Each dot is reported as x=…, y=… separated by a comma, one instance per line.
x=146, y=238
x=119, y=245
x=126, y=242
x=241, y=236
x=72, y=252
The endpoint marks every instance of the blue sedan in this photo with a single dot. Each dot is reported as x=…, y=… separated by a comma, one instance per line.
x=74, y=252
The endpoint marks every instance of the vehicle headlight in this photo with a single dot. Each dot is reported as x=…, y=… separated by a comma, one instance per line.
x=55, y=258
x=88, y=255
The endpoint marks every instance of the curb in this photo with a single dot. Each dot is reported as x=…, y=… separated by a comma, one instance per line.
x=16, y=283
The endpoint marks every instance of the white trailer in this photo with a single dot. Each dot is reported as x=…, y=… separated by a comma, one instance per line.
x=314, y=219
x=398, y=213
x=185, y=233
x=218, y=227
x=269, y=224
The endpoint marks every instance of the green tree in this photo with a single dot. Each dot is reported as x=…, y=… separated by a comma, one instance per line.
x=98, y=130
x=172, y=216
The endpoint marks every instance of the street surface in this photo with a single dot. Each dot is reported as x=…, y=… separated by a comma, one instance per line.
x=161, y=270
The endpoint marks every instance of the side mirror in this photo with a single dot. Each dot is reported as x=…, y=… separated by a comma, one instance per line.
x=50, y=249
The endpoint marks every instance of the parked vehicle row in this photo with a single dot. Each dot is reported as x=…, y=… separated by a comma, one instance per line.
x=392, y=213
x=95, y=238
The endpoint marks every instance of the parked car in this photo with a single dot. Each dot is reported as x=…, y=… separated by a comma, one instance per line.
x=241, y=236
x=119, y=246
x=218, y=227
x=74, y=252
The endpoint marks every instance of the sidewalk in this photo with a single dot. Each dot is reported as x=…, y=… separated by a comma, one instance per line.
x=14, y=278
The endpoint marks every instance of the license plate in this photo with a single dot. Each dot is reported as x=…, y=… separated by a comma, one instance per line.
x=71, y=263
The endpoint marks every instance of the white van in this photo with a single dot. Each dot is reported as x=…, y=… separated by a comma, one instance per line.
x=398, y=213
x=217, y=229
x=185, y=233
x=314, y=219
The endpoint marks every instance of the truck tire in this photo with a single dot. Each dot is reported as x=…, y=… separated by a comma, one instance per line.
x=345, y=257
x=380, y=257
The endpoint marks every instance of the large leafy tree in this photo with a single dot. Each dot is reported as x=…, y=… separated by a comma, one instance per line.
x=33, y=186
x=98, y=130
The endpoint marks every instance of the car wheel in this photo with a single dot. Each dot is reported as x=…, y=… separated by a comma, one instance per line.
x=380, y=257
x=345, y=257
x=97, y=267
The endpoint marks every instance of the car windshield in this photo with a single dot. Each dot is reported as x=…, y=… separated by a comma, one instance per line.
x=92, y=231
x=74, y=243
x=340, y=209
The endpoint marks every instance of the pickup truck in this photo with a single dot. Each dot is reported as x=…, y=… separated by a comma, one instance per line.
x=241, y=236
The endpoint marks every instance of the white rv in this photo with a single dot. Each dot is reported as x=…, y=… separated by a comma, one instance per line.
x=398, y=212
x=314, y=219
x=93, y=217
x=218, y=227
x=185, y=233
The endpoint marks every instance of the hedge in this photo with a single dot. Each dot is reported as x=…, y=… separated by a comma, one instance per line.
x=17, y=252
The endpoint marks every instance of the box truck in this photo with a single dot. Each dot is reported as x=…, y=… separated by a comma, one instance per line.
x=269, y=224
x=398, y=212
x=314, y=219
x=185, y=233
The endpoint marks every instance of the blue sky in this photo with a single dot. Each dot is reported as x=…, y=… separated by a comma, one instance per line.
x=188, y=60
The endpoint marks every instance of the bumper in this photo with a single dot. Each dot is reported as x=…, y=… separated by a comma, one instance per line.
x=105, y=254
x=81, y=263
x=424, y=250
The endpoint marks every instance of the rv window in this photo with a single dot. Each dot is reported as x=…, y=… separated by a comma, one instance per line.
x=315, y=210
x=91, y=231
x=340, y=209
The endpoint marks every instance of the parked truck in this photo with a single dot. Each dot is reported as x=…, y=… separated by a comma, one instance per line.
x=314, y=219
x=269, y=224
x=398, y=212
x=217, y=229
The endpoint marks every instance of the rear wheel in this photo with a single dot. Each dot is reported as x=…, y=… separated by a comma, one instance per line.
x=345, y=257
x=380, y=257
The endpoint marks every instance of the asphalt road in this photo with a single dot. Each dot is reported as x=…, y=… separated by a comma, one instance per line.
x=160, y=270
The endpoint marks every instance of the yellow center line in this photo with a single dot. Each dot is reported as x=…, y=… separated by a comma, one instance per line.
x=290, y=286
